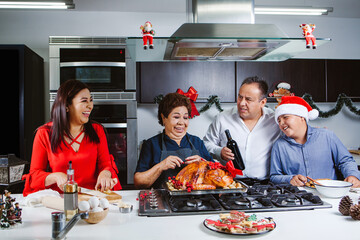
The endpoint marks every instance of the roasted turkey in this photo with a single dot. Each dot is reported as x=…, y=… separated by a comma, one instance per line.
x=201, y=176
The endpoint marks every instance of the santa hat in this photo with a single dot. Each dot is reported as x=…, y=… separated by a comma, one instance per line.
x=295, y=106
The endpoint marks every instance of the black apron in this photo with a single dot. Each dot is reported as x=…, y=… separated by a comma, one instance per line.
x=182, y=153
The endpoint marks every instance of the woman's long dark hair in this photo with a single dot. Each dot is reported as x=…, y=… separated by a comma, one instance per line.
x=60, y=117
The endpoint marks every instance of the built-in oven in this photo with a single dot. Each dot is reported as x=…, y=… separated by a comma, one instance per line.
x=120, y=122
x=103, y=63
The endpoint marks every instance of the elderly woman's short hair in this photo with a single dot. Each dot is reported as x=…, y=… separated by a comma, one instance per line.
x=171, y=101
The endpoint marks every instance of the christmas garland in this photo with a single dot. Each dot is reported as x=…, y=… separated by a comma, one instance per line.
x=211, y=100
x=341, y=100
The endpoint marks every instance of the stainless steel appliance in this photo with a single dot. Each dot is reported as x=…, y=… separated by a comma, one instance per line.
x=120, y=121
x=104, y=64
x=101, y=62
x=257, y=197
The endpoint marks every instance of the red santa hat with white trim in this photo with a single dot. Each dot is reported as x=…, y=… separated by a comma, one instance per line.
x=296, y=106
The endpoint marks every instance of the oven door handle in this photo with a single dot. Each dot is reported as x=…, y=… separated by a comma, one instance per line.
x=115, y=125
x=93, y=64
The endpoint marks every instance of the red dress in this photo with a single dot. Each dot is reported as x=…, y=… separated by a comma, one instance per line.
x=88, y=162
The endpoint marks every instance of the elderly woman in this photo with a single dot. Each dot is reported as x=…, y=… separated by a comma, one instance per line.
x=165, y=154
x=70, y=135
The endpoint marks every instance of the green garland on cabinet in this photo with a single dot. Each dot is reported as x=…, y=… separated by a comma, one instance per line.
x=211, y=100
x=341, y=100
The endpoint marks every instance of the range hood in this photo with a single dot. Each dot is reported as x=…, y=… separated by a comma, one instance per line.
x=221, y=30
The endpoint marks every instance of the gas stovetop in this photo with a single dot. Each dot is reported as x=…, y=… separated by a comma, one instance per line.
x=259, y=197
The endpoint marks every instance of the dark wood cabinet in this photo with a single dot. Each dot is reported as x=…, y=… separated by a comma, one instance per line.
x=304, y=75
x=208, y=78
x=323, y=79
x=343, y=77
x=22, y=99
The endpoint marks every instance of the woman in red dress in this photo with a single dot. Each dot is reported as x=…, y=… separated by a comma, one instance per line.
x=71, y=136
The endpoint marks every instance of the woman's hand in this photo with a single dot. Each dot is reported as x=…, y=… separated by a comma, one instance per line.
x=353, y=180
x=227, y=154
x=298, y=180
x=59, y=178
x=171, y=162
x=192, y=159
x=105, y=182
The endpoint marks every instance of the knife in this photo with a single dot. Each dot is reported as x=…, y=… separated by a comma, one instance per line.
x=92, y=192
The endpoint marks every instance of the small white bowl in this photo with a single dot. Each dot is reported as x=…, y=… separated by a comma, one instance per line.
x=333, y=188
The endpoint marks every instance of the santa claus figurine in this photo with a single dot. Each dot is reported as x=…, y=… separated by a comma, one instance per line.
x=307, y=32
x=148, y=34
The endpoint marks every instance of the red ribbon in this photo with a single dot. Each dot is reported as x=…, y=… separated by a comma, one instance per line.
x=192, y=95
x=230, y=167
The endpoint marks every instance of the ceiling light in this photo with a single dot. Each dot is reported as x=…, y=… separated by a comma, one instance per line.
x=292, y=10
x=39, y=4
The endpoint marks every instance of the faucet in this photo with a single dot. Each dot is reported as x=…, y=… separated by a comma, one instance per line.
x=59, y=229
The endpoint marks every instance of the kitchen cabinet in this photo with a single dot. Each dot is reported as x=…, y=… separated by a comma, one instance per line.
x=208, y=78
x=22, y=99
x=343, y=77
x=304, y=75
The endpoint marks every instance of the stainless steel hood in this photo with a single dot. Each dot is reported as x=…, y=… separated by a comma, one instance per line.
x=221, y=30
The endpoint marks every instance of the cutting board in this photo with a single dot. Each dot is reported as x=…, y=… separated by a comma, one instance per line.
x=58, y=202
x=111, y=197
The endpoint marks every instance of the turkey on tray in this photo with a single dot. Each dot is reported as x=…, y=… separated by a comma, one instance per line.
x=203, y=177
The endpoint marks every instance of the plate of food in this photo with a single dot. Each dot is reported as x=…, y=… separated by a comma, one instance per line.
x=239, y=223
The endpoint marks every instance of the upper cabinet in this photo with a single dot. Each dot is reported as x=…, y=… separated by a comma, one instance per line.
x=304, y=75
x=343, y=77
x=208, y=78
x=323, y=79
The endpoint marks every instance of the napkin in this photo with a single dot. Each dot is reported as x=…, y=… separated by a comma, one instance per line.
x=35, y=199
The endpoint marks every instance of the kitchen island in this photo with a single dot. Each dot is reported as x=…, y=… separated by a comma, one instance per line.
x=303, y=224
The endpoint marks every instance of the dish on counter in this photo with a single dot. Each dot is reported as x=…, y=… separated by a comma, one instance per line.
x=333, y=188
x=238, y=223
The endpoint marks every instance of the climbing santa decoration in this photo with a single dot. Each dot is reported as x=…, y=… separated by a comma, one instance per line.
x=307, y=33
x=147, y=33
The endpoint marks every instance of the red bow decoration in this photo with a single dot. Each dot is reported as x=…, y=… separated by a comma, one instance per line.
x=192, y=95
x=229, y=167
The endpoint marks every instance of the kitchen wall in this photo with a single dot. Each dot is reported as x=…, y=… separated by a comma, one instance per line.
x=34, y=27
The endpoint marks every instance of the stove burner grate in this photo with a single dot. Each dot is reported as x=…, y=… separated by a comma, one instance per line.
x=194, y=203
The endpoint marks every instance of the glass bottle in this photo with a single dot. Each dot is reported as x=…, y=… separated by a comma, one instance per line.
x=70, y=194
x=232, y=145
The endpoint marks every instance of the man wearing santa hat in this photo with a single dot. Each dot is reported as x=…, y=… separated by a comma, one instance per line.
x=306, y=151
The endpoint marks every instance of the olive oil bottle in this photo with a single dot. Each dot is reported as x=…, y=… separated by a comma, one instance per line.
x=70, y=194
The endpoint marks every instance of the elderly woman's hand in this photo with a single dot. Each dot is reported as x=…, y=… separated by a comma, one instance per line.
x=171, y=162
x=105, y=182
x=192, y=159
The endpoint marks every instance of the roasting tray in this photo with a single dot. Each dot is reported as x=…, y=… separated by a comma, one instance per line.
x=202, y=192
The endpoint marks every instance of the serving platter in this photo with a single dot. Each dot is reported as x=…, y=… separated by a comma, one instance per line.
x=208, y=225
x=202, y=192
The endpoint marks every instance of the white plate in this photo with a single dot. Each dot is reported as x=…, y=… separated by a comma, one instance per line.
x=216, y=217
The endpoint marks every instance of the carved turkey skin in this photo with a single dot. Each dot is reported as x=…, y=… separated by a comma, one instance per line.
x=202, y=177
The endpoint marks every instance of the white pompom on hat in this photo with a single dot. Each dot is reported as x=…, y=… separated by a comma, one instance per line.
x=295, y=106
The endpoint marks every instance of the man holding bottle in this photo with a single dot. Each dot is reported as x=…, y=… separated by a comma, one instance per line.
x=251, y=125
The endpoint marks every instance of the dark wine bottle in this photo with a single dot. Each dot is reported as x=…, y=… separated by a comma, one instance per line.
x=238, y=161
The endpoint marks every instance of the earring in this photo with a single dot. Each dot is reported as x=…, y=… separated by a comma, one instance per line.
x=67, y=109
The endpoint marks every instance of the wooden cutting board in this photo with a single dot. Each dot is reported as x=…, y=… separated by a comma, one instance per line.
x=58, y=202
x=111, y=197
